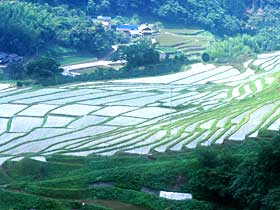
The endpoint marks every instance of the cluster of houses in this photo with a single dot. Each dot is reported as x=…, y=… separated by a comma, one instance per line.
x=6, y=58
x=131, y=30
x=136, y=31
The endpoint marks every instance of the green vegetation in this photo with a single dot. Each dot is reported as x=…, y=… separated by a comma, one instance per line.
x=121, y=72
x=68, y=56
x=72, y=27
x=43, y=68
x=209, y=14
x=222, y=17
x=142, y=53
x=260, y=34
x=46, y=71
x=230, y=176
x=74, y=59
x=15, y=71
x=40, y=70
x=190, y=42
x=231, y=49
x=15, y=200
x=49, y=25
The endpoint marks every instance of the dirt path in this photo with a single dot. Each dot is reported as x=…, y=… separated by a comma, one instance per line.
x=114, y=205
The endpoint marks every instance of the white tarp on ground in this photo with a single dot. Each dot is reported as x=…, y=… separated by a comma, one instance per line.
x=175, y=196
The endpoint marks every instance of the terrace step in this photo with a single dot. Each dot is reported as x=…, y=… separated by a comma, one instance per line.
x=202, y=105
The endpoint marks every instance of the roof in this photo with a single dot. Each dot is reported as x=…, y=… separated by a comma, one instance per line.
x=104, y=18
x=134, y=32
x=127, y=27
x=145, y=27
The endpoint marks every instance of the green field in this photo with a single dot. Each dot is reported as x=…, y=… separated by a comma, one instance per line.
x=125, y=133
x=190, y=41
x=75, y=59
x=65, y=182
x=183, y=31
x=68, y=56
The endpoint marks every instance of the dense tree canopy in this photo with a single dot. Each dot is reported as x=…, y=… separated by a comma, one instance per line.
x=25, y=28
x=209, y=14
x=15, y=71
x=138, y=54
x=43, y=68
x=220, y=15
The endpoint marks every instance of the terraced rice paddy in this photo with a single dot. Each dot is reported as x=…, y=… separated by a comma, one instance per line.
x=202, y=106
x=189, y=41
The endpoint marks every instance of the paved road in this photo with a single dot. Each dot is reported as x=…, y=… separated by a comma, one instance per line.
x=92, y=64
x=68, y=69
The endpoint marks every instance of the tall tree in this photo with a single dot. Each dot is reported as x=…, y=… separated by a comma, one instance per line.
x=43, y=68
x=138, y=54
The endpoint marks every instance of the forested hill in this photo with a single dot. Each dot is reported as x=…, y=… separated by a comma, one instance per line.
x=223, y=16
x=26, y=28
x=70, y=26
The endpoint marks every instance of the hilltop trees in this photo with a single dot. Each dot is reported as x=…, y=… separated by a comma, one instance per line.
x=138, y=54
x=232, y=48
x=94, y=39
x=261, y=34
x=98, y=7
x=15, y=71
x=235, y=7
x=221, y=16
x=211, y=15
x=26, y=28
x=43, y=69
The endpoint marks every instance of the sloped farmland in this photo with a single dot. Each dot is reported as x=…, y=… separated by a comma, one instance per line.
x=201, y=106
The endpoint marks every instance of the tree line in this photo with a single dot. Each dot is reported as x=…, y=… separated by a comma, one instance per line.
x=221, y=16
x=27, y=28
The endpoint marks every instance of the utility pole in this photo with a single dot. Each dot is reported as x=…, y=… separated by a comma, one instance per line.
x=171, y=98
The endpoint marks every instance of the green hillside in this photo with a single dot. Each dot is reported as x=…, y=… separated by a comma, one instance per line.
x=219, y=177
x=139, y=105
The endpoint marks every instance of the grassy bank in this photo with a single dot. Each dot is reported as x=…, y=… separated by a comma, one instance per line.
x=219, y=177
